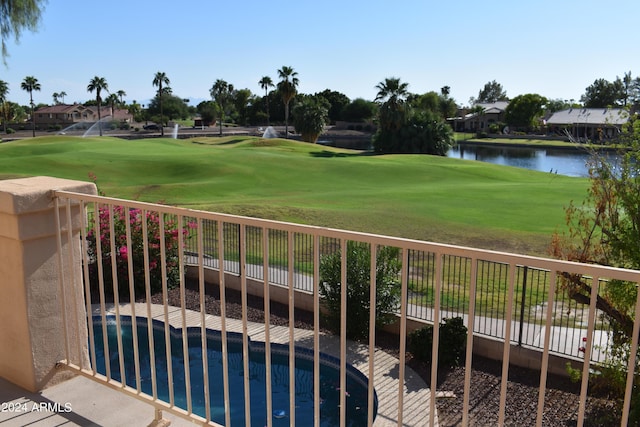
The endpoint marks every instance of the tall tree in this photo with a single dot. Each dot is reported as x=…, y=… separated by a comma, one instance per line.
x=62, y=95
x=220, y=92
x=359, y=110
x=4, y=91
x=265, y=83
x=30, y=84
x=98, y=84
x=16, y=16
x=55, y=97
x=603, y=93
x=525, y=111
x=491, y=92
x=337, y=102
x=159, y=80
x=287, y=87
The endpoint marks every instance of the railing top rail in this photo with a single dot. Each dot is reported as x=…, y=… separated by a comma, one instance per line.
x=570, y=267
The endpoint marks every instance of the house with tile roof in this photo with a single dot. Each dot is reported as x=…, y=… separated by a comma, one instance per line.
x=587, y=123
x=65, y=115
x=478, y=121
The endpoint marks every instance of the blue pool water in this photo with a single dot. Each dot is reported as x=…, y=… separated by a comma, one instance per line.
x=329, y=375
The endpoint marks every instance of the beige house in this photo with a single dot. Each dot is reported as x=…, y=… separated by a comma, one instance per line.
x=470, y=120
x=66, y=115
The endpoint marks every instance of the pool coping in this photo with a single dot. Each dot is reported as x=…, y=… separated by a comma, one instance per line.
x=416, y=394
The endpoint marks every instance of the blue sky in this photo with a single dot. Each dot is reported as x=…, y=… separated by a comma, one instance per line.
x=553, y=48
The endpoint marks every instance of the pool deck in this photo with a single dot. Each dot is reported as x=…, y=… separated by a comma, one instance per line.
x=93, y=404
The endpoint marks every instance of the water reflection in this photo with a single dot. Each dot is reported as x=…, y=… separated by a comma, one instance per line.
x=564, y=162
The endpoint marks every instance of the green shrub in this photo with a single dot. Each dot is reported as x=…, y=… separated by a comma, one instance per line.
x=452, y=342
x=358, y=281
x=10, y=130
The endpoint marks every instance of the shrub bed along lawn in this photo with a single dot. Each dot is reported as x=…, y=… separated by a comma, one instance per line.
x=415, y=196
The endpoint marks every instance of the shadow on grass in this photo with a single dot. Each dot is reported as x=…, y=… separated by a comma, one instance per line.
x=231, y=141
x=327, y=153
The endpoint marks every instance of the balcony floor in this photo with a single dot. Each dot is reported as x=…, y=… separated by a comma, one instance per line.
x=95, y=404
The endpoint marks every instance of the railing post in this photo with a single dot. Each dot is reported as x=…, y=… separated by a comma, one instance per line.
x=524, y=293
x=32, y=334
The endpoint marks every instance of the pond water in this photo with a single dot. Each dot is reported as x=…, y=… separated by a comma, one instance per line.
x=562, y=161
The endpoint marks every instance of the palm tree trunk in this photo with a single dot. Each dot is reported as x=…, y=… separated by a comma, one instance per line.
x=286, y=120
x=99, y=121
x=4, y=114
x=33, y=116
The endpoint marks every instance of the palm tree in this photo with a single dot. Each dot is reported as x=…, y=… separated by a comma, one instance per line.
x=392, y=93
x=30, y=84
x=98, y=84
x=62, y=95
x=220, y=92
x=55, y=98
x=121, y=94
x=4, y=90
x=158, y=80
x=391, y=90
x=112, y=100
x=287, y=87
x=265, y=83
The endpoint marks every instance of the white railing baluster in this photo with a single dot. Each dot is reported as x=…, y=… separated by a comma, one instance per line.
x=223, y=324
x=87, y=284
x=242, y=249
x=584, y=385
x=165, y=307
x=183, y=314
x=316, y=329
x=73, y=279
x=437, y=292
x=267, y=321
x=343, y=330
x=61, y=279
x=116, y=294
x=101, y=291
x=373, y=273
x=147, y=287
x=404, y=297
x=507, y=344
x=473, y=284
x=292, y=337
x=545, y=352
x=203, y=320
x=132, y=299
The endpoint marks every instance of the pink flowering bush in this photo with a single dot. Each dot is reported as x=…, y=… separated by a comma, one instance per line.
x=135, y=217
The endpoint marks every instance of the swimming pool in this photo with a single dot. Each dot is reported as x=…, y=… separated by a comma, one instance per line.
x=356, y=391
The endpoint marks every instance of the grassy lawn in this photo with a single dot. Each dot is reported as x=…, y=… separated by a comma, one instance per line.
x=415, y=196
x=462, y=137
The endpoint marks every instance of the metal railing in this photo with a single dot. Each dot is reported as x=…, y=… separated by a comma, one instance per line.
x=531, y=288
x=134, y=252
